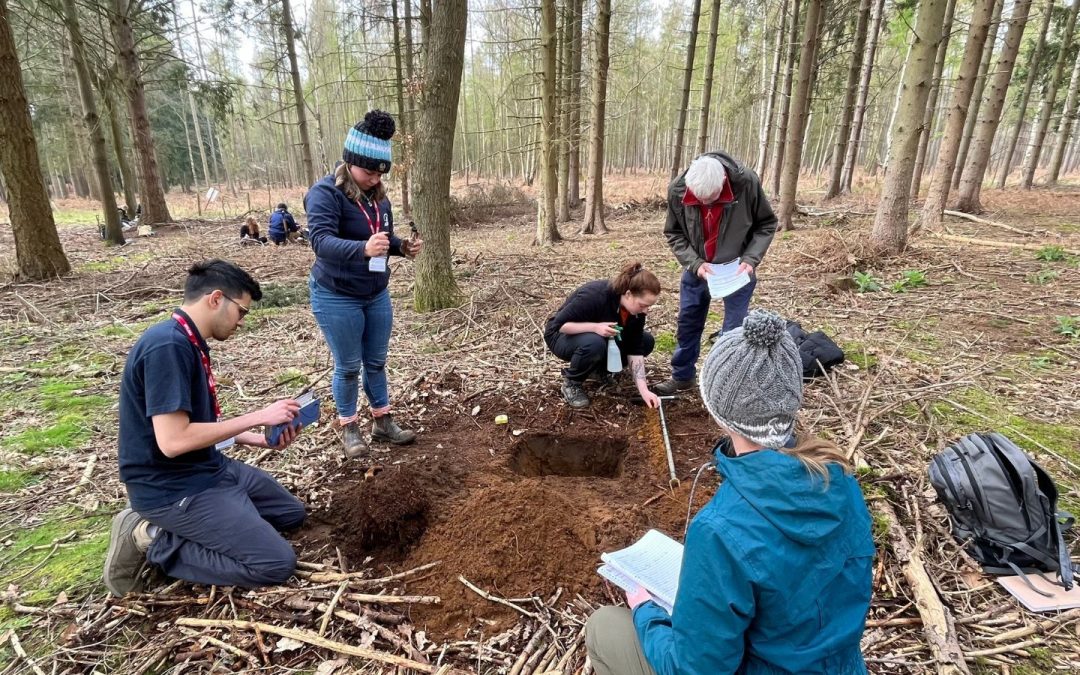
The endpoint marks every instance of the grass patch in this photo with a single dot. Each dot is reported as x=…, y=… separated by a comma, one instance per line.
x=857, y=354
x=73, y=567
x=66, y=397
x=14, y=480
x=283, y=295
x=665, y=343
x=67, y=433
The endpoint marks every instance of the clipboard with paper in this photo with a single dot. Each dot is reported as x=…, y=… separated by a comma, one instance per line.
x=652, y=562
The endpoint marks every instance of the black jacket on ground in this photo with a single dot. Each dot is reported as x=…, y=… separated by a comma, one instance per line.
x=597, y=301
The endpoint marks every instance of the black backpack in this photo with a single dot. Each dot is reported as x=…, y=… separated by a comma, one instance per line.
x=819, y=354
x=1003, y=507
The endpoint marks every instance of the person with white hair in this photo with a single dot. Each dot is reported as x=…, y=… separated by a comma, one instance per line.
x=717, y=212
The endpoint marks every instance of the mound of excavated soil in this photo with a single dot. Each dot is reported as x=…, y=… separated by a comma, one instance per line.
x=386, y=513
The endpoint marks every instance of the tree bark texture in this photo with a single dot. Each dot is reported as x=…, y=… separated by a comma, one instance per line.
x=594, y=190
x=784, y=115
x=688, y=77
x=990, y=115
x=38, y=252
x=890, y=231
x=941, y=181
x=766, y=133
x=931, y=105
x=706, y=90
x=547, y=226
x=444, y=58
x=847, y=112
x=977, y=96
x=1065, y=125
x=851, y=156
x=298, y=91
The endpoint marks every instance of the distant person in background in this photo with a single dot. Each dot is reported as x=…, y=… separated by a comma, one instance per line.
x=282, y=227
x=777, y=569
x=593, y=314
x=249, y=231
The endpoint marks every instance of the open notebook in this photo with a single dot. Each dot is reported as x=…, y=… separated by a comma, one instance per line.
x=652, y=562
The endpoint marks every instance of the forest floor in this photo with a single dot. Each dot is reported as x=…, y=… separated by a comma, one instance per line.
x=961, y=337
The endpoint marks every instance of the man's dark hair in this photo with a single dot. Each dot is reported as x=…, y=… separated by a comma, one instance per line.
x=218, y=275
x=282, y=207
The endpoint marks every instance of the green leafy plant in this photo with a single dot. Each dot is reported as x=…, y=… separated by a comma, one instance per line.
x=1069, y=326
x=1043, y=277
x=908, y=280
x=866, y=283
x=1052, y=253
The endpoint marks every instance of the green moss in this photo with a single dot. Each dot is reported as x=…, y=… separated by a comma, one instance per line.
x=665, y=343
x=73, y=567
x=67, y=433
x=283, y=295
x=14, y=480
x=65, y=396
x=856, y=353
x=292, y=376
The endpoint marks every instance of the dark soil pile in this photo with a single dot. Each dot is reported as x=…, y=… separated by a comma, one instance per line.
x=383, y=514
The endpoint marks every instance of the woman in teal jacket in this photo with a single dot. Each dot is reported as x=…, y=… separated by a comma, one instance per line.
x=777, y=568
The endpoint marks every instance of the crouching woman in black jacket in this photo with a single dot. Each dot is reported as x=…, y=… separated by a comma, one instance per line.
x=599, y=310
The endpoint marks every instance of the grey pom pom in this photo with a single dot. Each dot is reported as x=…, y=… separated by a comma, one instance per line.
x=762, y=329
x=379, y=124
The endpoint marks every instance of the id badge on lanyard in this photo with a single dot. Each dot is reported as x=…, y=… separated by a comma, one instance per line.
x=378, y=263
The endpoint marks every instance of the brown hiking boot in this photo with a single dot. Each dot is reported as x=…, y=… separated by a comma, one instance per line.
x=384, y=428
x=671, y=386
x=353, y=441
x=575, y=394
x=126, y=557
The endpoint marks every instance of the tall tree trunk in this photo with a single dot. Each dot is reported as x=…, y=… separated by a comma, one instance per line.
x=574, y=138
x=547, y=226
x=594, y=189
x=977, y=96
x=851, y=155
x=1038, y=136
x=800, y=110
x=843, y=127
x=403, y=117
x=993, y=102
x=155, y=210
x=298, y=91
x=706, y=90
x=38, y=252
x=890, y=231
x=444, y=58
x=1065, y=125
x=113, y=234
x=784, y=117
x=119, y=146
x=565, y=51
x=688, y=77
x=931, y=105
x=766, y=131
x=1025, y=97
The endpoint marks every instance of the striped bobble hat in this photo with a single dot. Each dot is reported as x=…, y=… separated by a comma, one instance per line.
x=751, y=381
x=368, y=143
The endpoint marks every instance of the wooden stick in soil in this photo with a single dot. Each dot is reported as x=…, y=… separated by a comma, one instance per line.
x=311, y=638
x=13, y=637
x=976, y=219
x=487, y=596
x=936, y=618
x=1059, y=620
x=529, y=649
x=998, y=244
x=251, y=660
x=394, y=599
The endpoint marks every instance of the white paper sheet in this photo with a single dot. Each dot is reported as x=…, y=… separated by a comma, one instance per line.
x=725, y=279
x=653, y=562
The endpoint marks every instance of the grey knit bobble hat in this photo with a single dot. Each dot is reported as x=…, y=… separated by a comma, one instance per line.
x=751, y=381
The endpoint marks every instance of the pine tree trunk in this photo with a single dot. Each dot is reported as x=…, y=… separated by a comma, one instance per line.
x=941, y=181
x=890, y=231
x=977, y=96
x=1065, y=126
x=298, y=91
x=931, y=105
x=114, y=236
x=851, y=154
x=444, y=58
x=784, y=117
x=1038, y=136
x=594, y=189
x=547, y=226
x=688, y=76
x=766, y=131
x=119, y=146
x=574, y=179
x=38, y=252
x=706, y=90
x=563, y=111
x=993, y=103
x=1025, y=97
x=403, y=117
x=800, y=110
x=155, y=209
x=847, y=112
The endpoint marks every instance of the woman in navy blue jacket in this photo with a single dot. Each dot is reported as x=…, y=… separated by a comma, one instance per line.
x=777, y=568
x=351, y=227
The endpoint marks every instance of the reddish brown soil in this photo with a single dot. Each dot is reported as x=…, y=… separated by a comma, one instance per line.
x=510, y=534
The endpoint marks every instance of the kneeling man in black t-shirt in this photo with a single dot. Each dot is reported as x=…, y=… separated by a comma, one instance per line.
x=195, y=513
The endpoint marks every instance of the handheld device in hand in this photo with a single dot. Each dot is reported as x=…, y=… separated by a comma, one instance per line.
x=308, y=415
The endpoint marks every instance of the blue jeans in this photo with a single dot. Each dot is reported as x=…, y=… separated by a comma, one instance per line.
x=228, y=534
x=694, y=302
x=358, y=332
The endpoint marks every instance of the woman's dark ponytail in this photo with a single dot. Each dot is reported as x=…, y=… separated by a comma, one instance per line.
x=633, y=277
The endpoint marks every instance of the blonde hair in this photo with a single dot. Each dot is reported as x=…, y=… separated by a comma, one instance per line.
x=344, y=181
x=816, y=454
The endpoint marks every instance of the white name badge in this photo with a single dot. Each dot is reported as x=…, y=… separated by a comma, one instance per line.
x=377, y=264
x=227, y=443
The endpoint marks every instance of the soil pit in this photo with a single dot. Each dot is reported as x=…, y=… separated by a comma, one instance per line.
x=544, y=454
x=385, y=514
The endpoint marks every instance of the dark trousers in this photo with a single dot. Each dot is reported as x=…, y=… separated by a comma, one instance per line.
x=228, y=535
x=587, y=353
x=694, y=302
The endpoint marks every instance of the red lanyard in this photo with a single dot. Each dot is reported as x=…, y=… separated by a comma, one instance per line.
x=210, y=381
x=374, y=226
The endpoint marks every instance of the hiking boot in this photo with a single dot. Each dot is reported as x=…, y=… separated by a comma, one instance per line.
x=575, y=394
x=671, y=386
x=126, y=557
x=385, y=428
x=353, y=441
